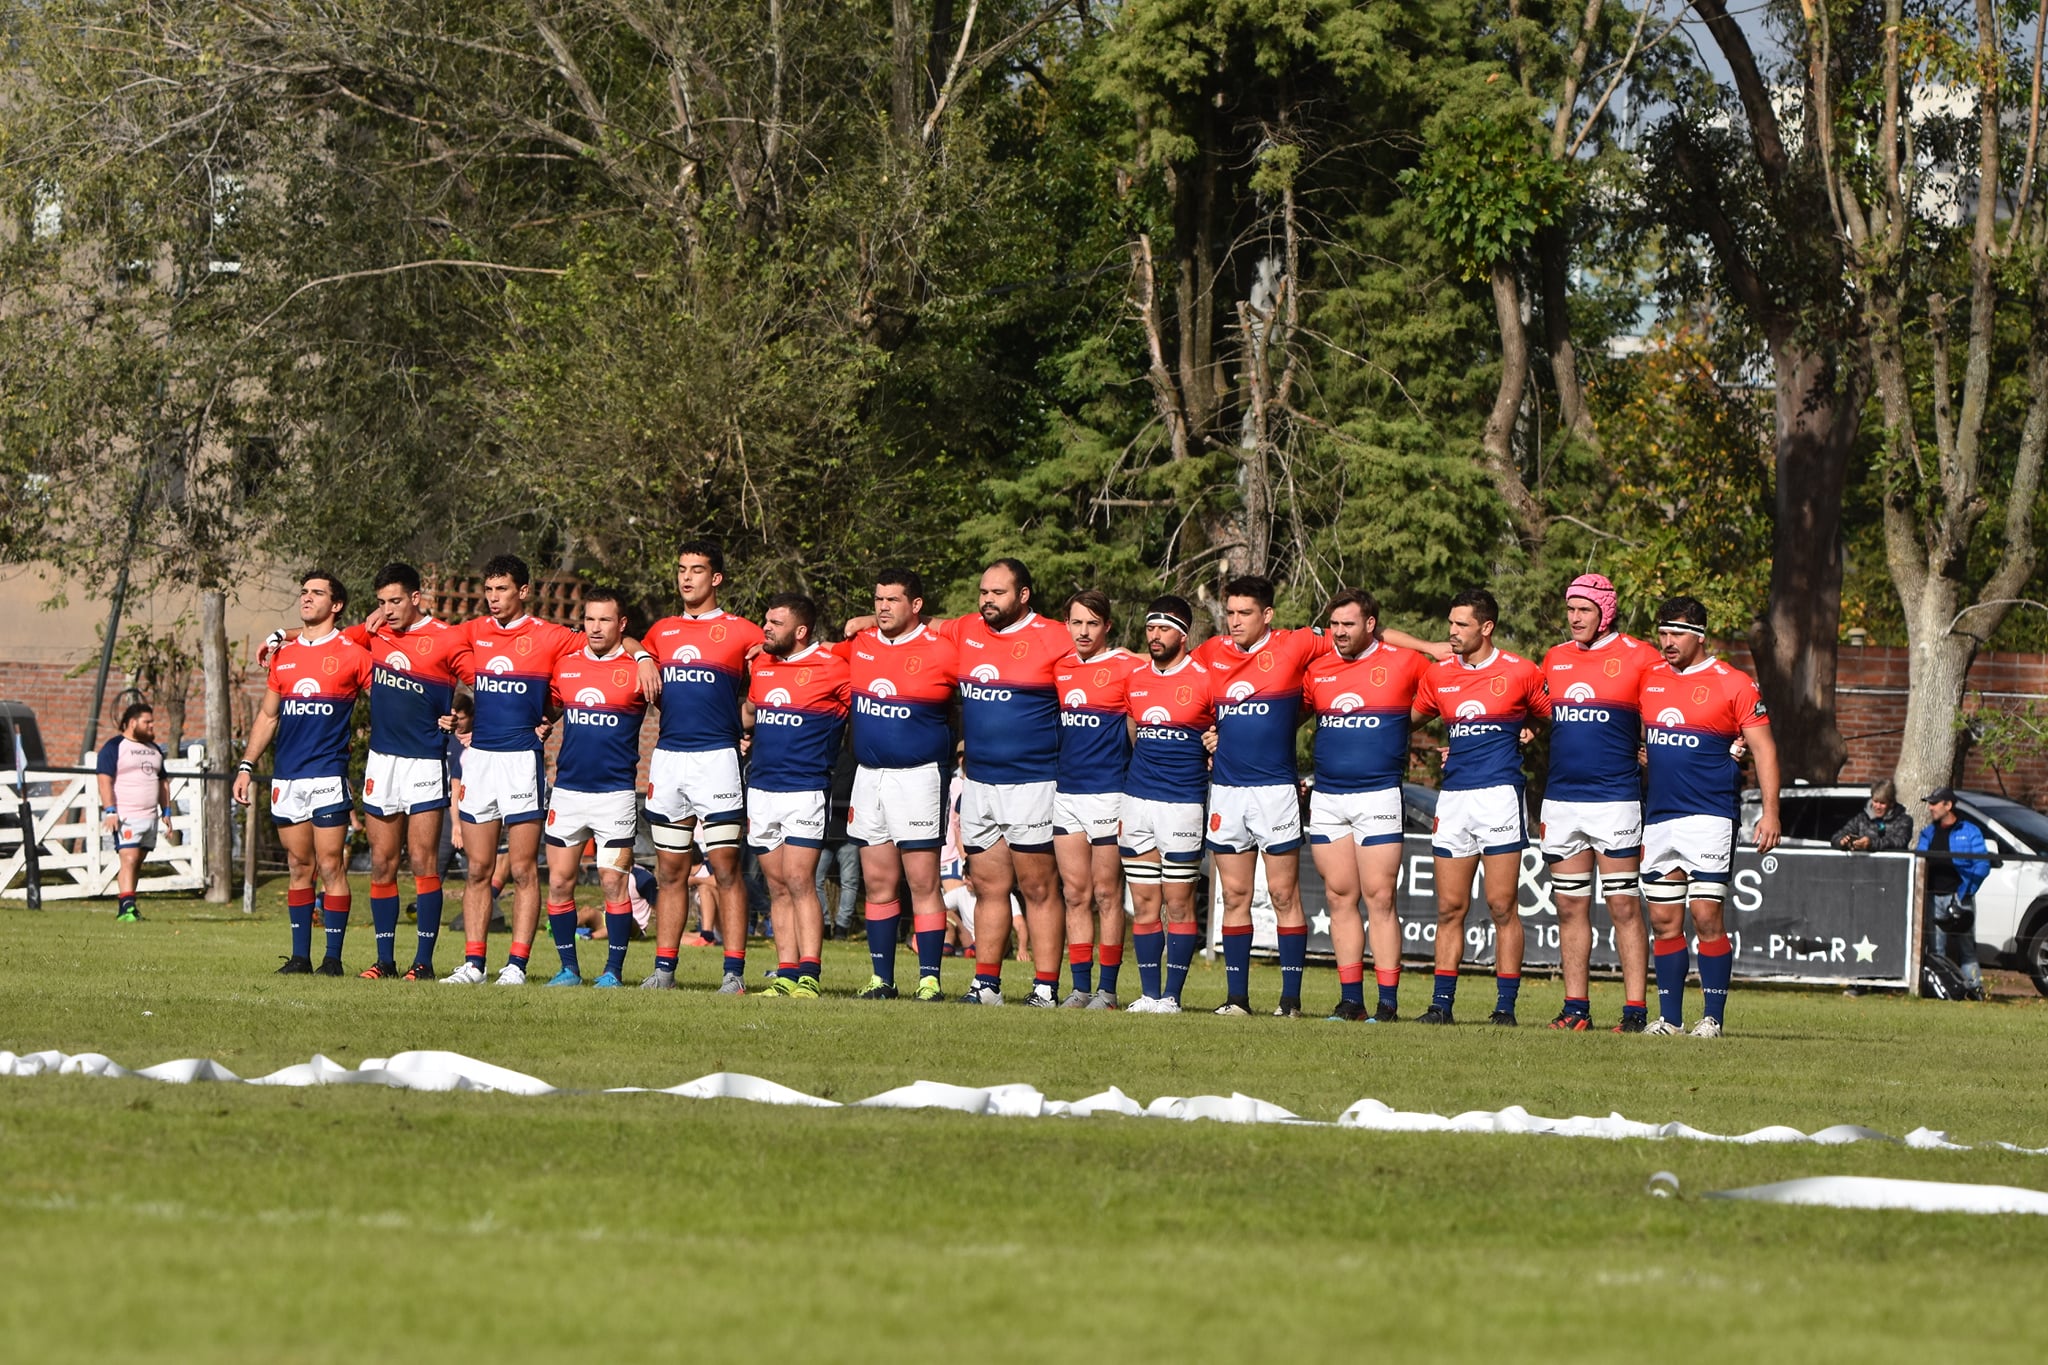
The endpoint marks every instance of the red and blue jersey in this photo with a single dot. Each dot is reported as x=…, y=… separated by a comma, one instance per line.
x=1095, y=743
x=1361, y=708
x=1009, y=702
x=703, y=678
x=1173, y=710
x=1484, y=709
x=902, y=690
x=1257, y=693
x=1690, y=722
x=800, y=706
x=411, y=686
x=601, y=714
x=317, y=683
x=1596, y=718
x=510, y=669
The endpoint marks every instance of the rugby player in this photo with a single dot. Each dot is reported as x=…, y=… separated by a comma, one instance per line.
x=133, y=790
x=1170, y=709
x=694, y=794
x=405, y=777
x=596, y=794
x=903, y=676
x=308, y=702
x=1486, y=697
x=1592, y=804
x=1361, y=695
x=1255, y=679
x=1095, y=747
x=1695, y=708
x=797, y=701
x=507, y=658
x=1008, y=656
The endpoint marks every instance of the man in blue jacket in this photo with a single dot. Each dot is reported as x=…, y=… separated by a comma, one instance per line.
x=1952, y=884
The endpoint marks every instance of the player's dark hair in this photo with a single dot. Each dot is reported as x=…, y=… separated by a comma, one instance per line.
x=1173, y=605
x=1091, y=600
x=1017, y=570
x=705, y=549
x=508, y=566
x=1255, y=586
x=397, y=575
x=135, y=708
x=335, y=587
x=799, y=606
x=1687, y=609
x=462, y=704
x=1356, y=597
x=1482, y=603
x=906, y=579
x=604, y=594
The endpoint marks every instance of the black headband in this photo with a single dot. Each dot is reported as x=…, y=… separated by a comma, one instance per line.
x=1686, y=626
x=1166, y=618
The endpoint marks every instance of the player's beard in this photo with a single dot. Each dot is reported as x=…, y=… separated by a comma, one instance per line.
x=1000, y=621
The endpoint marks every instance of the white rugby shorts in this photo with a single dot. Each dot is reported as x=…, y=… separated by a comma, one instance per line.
x=704, y=786
x=611, y=818
x=1095, y=814
x=778, y=818
x=1614, y=828
x=400, y=786
x=1245, y=818
x=135, y=829
x=321, y=800
x=503, y=786
x=1172, y=827
x=1020, y=812
x=1701, y=846
x=900, y=806
x=1363, y=817
x=1480, y=820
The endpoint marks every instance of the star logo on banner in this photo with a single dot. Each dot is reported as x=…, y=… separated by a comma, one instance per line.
x=1321, y=920
x=1866, y=951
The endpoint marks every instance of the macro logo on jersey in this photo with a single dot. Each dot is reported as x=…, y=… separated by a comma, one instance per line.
x=1484, y=710
x=1173, y=709
x=601, y=714
x=1258, y=697
x=900, y=693
x=411, y=688
x=1361, y=707
x=317, y=682
x=1095, y=743
x=1009, y=697
x=703, y=678
x=1697, y=716
x=511, y=669
x=800, y=706
x=1596, y=718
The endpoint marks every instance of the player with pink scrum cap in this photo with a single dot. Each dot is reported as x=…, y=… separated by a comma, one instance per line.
x=1592, y=818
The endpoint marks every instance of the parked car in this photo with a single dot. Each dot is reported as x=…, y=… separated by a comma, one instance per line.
x=2012, y=906
x=17, y=720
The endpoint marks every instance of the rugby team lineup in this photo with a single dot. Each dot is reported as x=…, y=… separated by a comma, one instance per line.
x=1088, y=770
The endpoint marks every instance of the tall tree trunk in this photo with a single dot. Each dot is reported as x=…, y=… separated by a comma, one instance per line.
x=1937, y=673
x=1819, y=410
x=905, y=71
x=1553, y=255
x=220, y=738
x=1499, y=440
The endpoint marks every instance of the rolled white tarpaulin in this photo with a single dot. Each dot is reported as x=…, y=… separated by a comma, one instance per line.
x=1879, y=1192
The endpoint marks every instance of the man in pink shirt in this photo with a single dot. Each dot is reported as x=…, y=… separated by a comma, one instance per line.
x=133, y=789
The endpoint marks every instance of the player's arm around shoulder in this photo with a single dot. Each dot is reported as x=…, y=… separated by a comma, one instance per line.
x=1437, y=650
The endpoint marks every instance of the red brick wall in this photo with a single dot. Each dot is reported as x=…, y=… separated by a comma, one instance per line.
x=61, y=704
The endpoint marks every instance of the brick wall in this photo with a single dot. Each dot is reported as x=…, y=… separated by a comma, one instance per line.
x=61, y=703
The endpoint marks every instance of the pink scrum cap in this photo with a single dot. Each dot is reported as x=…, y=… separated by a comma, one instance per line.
x=1595, y=588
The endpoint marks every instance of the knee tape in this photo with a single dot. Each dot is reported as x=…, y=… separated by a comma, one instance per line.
x=1620, y=884
x=1709, y=891
x=1658, y=891
x=718, y=836
x=672, y=838
x=1180, y=872
x=1571, y=884
x=1139, y=872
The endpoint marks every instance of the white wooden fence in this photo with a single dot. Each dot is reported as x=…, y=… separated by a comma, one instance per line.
x=76, y=853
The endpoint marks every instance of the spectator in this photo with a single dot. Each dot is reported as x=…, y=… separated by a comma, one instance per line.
x=1883, y=824
x=1952, y=884
x=133, y=791
x=841, y=855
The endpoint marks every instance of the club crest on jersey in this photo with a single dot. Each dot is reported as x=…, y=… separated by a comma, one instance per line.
x=425, y=647
x=1699, y=696
x=396, y=659
x=1671, y=715
x=1471, y=710
x=1183, y=695
x=523, y=645
x=1102, y=677
x=1265, y=661
x=1499, y=687
x=1579, y=691
x=618, y=677
x=986, y=673
x=1379, y=677
x=1612, y=668
x=498, y=664
x=883, y=687
x=1019, y=650
x=306, y=687
x=803, y=678
x=330, y=665
x=717, y=635
x=1349, y=701
x=590, y=696
x=912, y=665
x=1076, y=697
x=1238, y=691
x=778, y=697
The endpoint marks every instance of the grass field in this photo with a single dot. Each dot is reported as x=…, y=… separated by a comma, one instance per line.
x=223, y=1222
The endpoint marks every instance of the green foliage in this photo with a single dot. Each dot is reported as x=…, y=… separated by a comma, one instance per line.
x=1486, y=185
